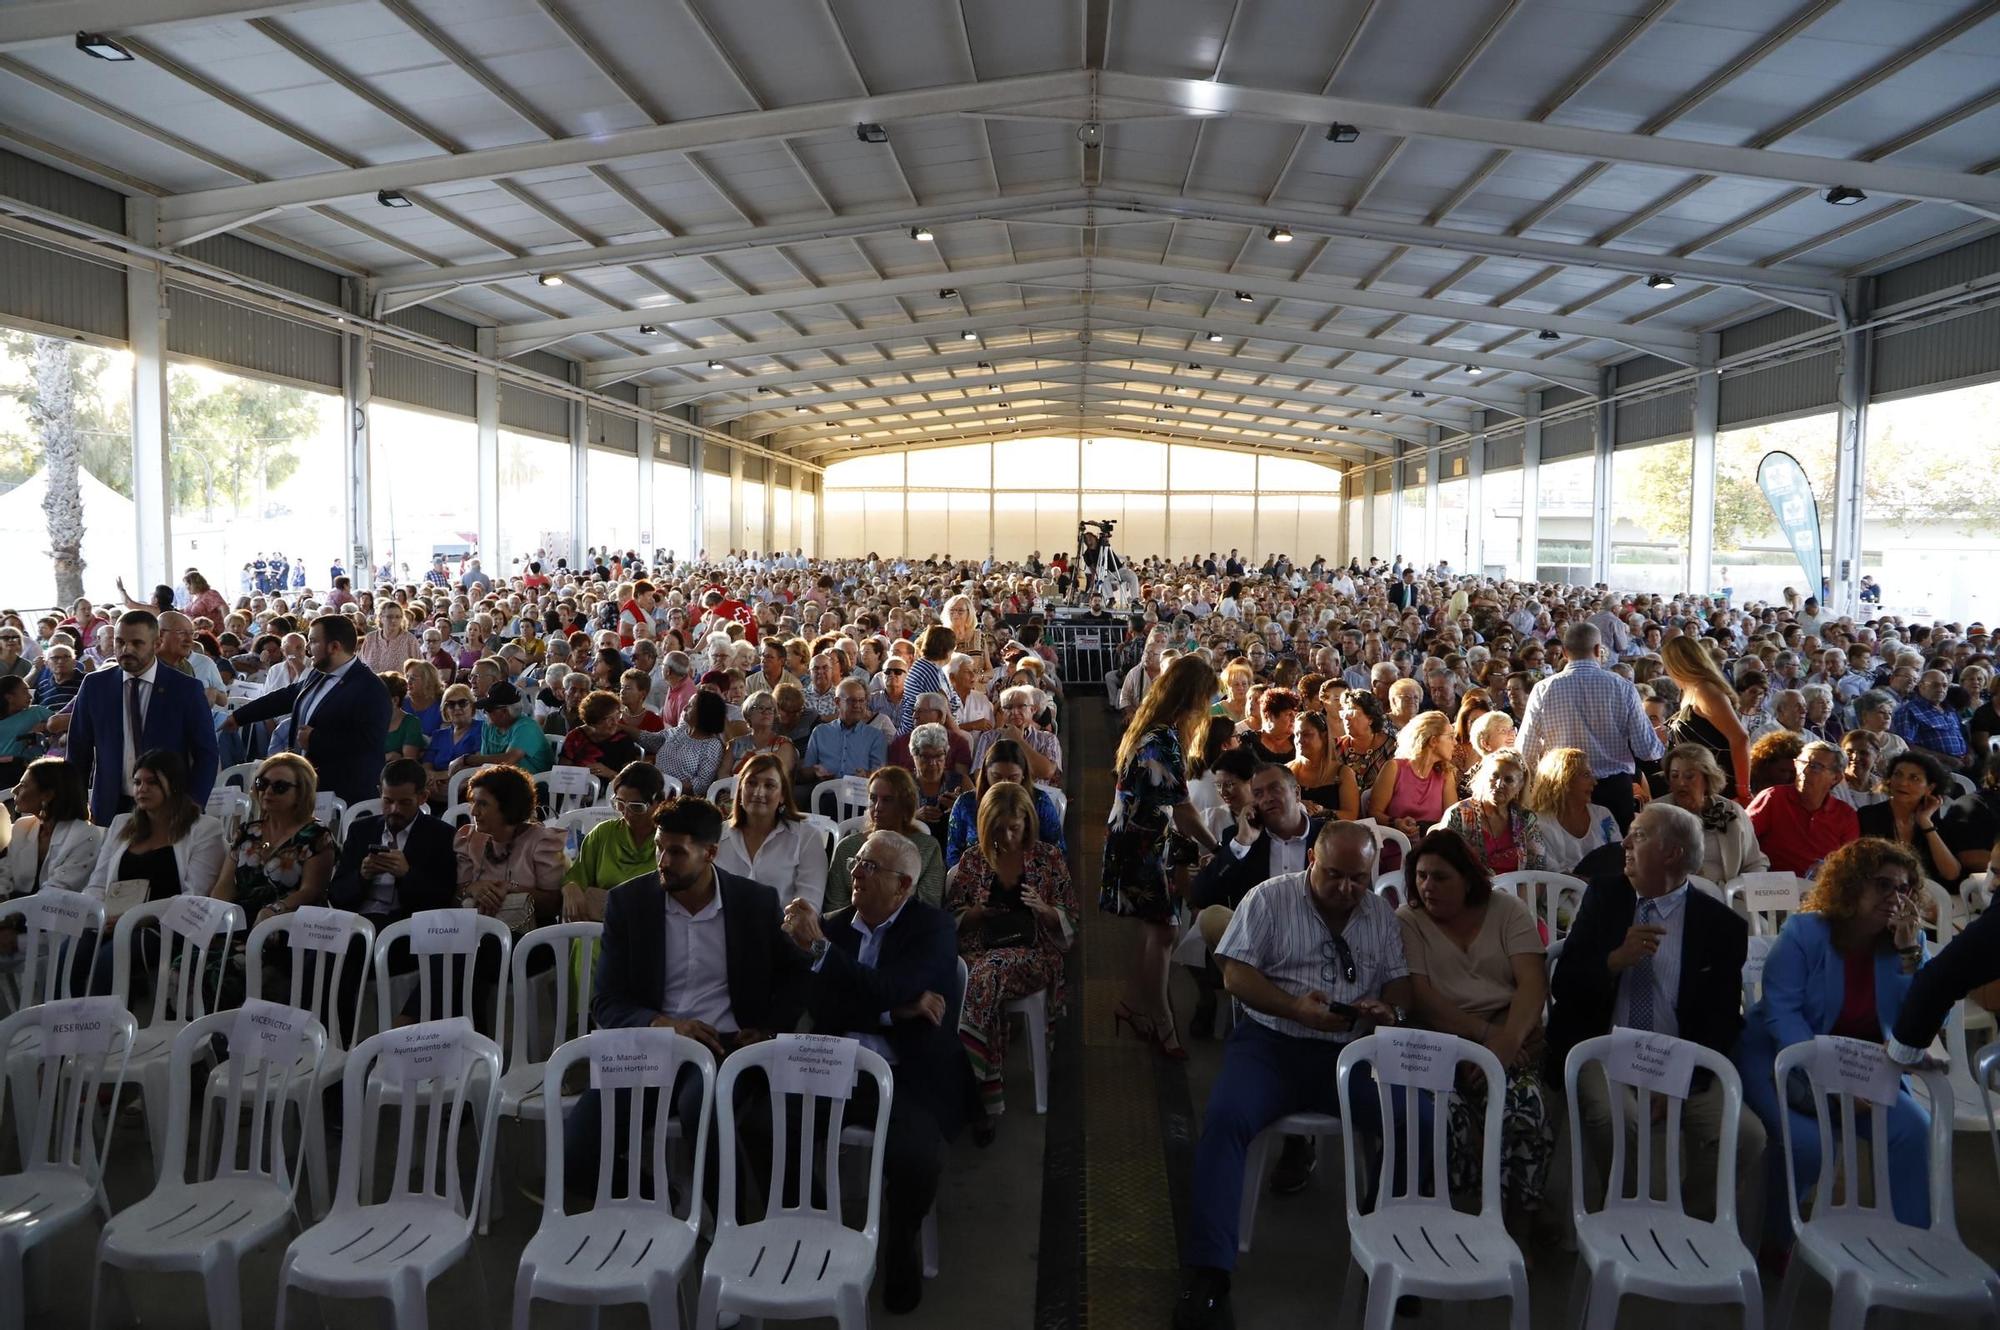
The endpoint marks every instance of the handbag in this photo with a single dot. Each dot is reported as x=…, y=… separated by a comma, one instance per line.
x=1008, y=921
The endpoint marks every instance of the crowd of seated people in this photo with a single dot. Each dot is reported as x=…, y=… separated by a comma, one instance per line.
x=1500, y=727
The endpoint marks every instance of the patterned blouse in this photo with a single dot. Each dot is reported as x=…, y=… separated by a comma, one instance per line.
x=265, y=878
x=1047, y=871
x=1520, y=851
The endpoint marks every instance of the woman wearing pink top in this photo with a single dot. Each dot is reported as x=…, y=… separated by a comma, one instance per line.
x=1414, y=790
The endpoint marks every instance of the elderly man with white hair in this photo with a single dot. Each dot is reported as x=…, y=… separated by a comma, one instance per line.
x=1018, y=706
x=885, y=972
x=1650, y=951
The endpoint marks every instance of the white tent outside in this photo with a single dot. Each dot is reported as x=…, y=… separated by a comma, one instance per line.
x=110, y=544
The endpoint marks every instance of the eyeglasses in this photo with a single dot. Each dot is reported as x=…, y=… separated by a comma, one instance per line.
x=264, y=785
x=1329, y=951
x=630, y=805
x=455, y=706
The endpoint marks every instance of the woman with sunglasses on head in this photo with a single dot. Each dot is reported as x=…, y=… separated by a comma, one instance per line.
x=617, y=850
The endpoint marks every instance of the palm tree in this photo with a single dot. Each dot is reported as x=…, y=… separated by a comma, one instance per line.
x=53, y=410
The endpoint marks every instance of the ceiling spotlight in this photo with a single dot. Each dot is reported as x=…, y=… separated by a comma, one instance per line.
x=550, y=279
x=985, y=364
x=767, y=390
x=1005, y=406
x=1659, y=281
x=921, y=233
x=1194, y=364
x=1416, y=395
x=798, y=410
x=648, y=330
x=1339, y=133
x=869, y=132
x=715, y=364
x=947, y=293
x=1215, y=337
x=1475, y=370
x=101, y=46
x=392, y=198
x=1376, y=414
x=854, y=438
x=1841, y=196
x=1548, y=335
x=1279, y=235
x=994, y=388
x=1341, y=428
x=1090, y=133
x=1245, y=297
x=968, y=336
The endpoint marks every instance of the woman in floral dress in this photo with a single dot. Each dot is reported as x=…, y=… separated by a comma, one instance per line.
x=281, y=859
x=1150, y=803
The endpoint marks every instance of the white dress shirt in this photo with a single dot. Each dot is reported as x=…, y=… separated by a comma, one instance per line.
x=1664, y=974
x=315, y=692
x=697, y=963
x=145, y=701
x=1287, y=856
x=382, y=887
x=791, y=861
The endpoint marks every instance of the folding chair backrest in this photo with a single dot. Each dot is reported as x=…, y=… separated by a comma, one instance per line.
x=455, y=936
x=1553, y=898
x=639, y=1063
x=359, y=809
x=229, y=806
x=195, y=936
x=85, y=1043
x=829, y=830
x=1766, y=899
x=1409, y=1065
x=722, y=793
x=446, y=1071
x=454, y=788
x=239, y=775
x=53, y=923
x=1837, y=1111
x=456, y=815
x=1986, y=1073
x=578, y=942
x=793, y=1159
x=1651, y=1076
x=841, y=798
x=272, y=1049
x=324, y=943
x=565, y=788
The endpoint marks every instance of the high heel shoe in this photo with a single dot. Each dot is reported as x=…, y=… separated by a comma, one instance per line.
x=1124, y=1020
x=1167, y=1043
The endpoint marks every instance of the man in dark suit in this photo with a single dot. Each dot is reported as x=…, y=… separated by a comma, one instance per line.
x=1649, y=951
x=692, y=948
x=339, y=711
x=1403, y=591
x=142, y=705
x=885, y=972
x=392, y=865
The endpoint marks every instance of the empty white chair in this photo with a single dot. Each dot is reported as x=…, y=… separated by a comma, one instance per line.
x=1413, y=1242
x=1552, y=898
x=841, y=797
x=394, y=1248
x=800, y=1260
x=325, y=946
x=563, y=788
x=630, y=1246
x=195, y=933
x=202, y=1220
x=62, y=1163
x=1319, y=1126
x=53, y=925
x=1867, y=1257
x=573, y=954
x=1645, y=1244
x=1034, y=1013
x=1765, y=899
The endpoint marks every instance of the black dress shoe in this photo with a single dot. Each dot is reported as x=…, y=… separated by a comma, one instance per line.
x=1204, y=1301
x=902, y=1275
x=1295, y=1165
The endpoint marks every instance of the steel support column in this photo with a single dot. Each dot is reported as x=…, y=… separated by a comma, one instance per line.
x=1701, y=468
x=1605, y=433
x=486, y=418
x=152, y=475
x=357, y=389
x=1850, y=468
x=1531, y=473
x=1475, y=500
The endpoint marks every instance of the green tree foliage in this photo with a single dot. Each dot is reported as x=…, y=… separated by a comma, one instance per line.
x=53, y=411
x=101, y=403
x=233, y=438
x=1741, y=514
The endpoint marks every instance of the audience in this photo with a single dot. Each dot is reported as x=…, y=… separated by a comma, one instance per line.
x=618, y=849
x=893, y=805
x=1004, y=762
x=1729, y=842
x=1917, y=787
x=53, y=845
x=1568, y=821
x=165, y=847
x=1504, y=836
x=1798, y=825
x=766, y=839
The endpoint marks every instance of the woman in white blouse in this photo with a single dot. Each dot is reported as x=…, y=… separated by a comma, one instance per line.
x=1571, y=825
x=766, y=839
x=166, y=846
x=53, y=843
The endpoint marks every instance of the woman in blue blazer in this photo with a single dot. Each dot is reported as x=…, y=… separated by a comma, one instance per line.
x=1842, y=965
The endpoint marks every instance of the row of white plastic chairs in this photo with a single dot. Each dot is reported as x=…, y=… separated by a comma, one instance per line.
x=633, y=1244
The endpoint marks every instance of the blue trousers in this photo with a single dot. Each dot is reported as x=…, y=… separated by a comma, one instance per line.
x=1266, y=1075
x=1909, y=1154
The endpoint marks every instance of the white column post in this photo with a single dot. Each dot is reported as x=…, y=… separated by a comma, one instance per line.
x=1433, y=464
x=152, y=475
x=649, y=450
x=697, y=516
x=357, y=388
x=486, y=417
x=579, y=472
x=1396, y=482
x=1605, y=432
x=735, y=498
x=1857, y=376
x=1701, y=469
x=1531, y=471
x=1475, y=498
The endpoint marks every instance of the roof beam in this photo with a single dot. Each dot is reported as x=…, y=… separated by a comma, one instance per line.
x=32, y=22
x=886, y=392
x=1657, y=341
x=1159, y=433
x=903, y=366
x=810, y=119
x=602, y=372
x=1195, y=409
x=519, y=337
x=1582, y=379
x=1514, y=404
x=1115, y=423
x=1195, y=97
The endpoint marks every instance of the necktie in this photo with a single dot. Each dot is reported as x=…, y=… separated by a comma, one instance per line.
x=1639, y=1003
x=307, y=696
x=134, y=722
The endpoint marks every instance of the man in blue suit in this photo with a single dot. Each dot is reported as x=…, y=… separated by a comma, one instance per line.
x=885, y=971
x=142, y=705
x=339, y=711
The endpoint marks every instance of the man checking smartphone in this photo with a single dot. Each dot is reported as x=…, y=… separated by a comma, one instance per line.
x=1317, y=958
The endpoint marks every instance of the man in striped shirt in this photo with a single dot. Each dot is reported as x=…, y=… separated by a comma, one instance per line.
x=1299, y=944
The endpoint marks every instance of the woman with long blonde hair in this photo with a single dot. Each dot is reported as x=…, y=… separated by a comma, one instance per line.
x=1708, y=713
x=1151, y=800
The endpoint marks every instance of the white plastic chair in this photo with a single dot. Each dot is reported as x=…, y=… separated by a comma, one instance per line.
x=1056, y=797
x=1961, y=784
x=848, y=826
x=521, y=1086
x=1415, y=1243
x=1552, y=898
x=1765, y=899
x=1703, y=885
x=454, y=788
x=630, y=1247
x=1319, y=1126
x=1034, y=1013
x=359, y=809
x=1112, y=681
x=202, y=1221
x=800, y=1260
x=53, y=923
x=56, y=1106
x=847, y=795
x=1386, y=836
x=1389, y=887
x=457, y=959
x=564, y=788
x=722, y=793
x=331, y=809
x=323, y=943
x=583, y=820
x=456, y=815
x=1645, y=1244
x=195, y=933
x=1867, y=1258
x=239, y=775
x=1985, y=1072
x=829, y=830
x=394, y=1248
x=229, y=806
x=672, y=788
x=1947, y=918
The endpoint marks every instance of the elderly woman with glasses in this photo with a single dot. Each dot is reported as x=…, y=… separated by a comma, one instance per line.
x=760, y=713
x=892, y=806
x=458, y=737
x=616, y=850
